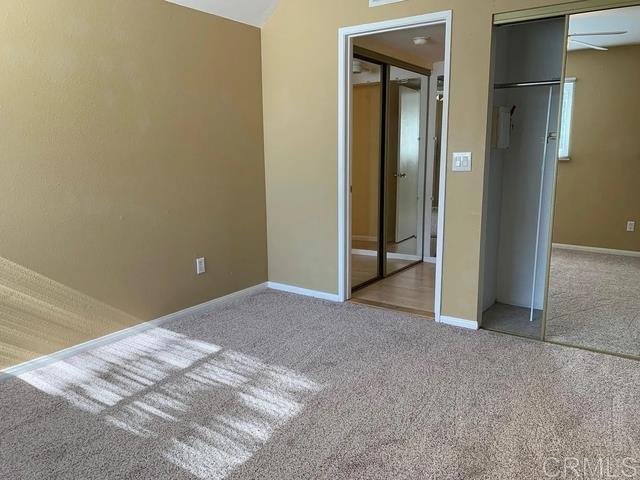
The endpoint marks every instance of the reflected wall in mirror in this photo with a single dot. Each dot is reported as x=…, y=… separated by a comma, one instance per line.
x=594, y=285
x=366, y=158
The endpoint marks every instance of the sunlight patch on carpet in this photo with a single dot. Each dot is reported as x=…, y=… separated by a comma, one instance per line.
x=209, y=408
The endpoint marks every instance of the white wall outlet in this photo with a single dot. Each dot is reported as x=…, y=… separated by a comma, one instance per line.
x=462, y=161
x=200, y=266
x=631, y=226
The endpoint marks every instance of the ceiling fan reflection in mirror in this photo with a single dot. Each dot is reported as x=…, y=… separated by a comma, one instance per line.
x=572, y=39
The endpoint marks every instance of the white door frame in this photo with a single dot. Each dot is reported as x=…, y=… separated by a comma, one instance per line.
x=345, y=54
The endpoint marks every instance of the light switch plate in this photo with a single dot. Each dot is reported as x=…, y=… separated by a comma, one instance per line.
x=631, y=226
x=462, y=161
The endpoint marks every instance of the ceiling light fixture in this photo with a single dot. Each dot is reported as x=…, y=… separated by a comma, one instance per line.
x=421, y=40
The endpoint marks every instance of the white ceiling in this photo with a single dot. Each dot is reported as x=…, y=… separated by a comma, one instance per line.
x=401, y=42
x=619, y=19
x=252, y=12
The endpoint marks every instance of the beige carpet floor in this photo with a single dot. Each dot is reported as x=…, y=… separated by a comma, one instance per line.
x=277, y=386
x=594, y=301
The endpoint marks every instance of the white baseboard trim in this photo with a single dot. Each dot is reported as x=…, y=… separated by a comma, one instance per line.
x=332, y=297
x=430, y=260
x=403, y=256
x=608, y=251
x=391, y=255
x=459, y=322
x=364, y=253
x=120, y=334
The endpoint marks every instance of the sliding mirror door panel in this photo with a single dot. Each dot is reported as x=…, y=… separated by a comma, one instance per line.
x=365, y=171
x=594, y=281
x=526, y=100
x=404, y=168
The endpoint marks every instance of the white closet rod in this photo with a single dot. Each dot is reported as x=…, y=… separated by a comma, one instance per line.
x=540, y=83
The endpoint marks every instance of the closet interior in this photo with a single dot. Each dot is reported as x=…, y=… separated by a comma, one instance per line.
x=527, y=75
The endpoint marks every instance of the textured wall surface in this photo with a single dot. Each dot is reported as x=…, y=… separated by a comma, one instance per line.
x=301, y=137
x=131, y=144
x=366, y=160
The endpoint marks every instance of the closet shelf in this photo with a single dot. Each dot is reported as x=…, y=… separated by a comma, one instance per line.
x=538, y=83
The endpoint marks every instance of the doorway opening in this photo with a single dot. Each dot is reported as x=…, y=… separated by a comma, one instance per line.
x=394, y=126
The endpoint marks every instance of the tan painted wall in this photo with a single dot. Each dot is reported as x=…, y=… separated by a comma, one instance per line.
x=131, y=143
x=301, y=140
x=598, y=190
x=366, y=160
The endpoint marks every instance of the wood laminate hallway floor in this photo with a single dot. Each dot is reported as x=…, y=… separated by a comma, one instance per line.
x=411, y=290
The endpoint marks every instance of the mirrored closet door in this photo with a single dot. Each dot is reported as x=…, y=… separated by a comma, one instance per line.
x=561, y=247
x=390, y=110
x=367, y=97
x=404, y=186
x=594, y=280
